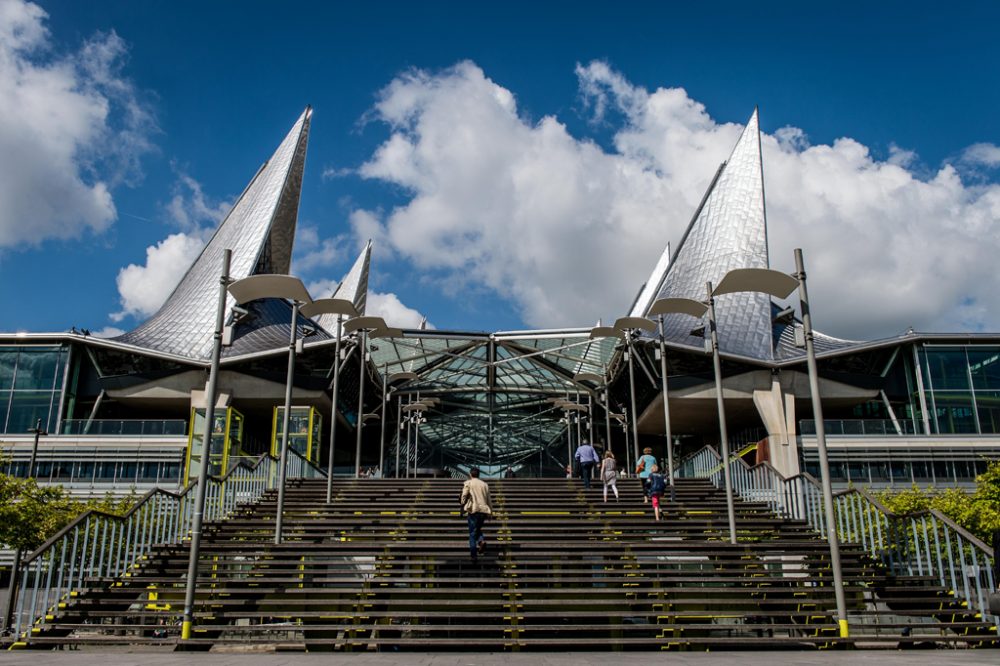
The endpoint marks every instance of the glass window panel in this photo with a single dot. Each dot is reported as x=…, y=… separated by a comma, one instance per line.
x=84, y=472
x=8, y=359
x=943, y=471
x=62, y=470
x=36, y=370
x=988, y=406
x=879, y=471
x=104, y=471
x=948, y=369
x=922, y=470
x=170, y=471
x=26, y=408
x=147, y=471
x=984, y=364
x=965, y=470
x=4, y=403
x=127, y=471
x=858, y=472
x=954, y=413
x=900, y=472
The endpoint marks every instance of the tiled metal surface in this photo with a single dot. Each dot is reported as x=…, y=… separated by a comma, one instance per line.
x=260, y=230
x=729, y=232
x=267, y=327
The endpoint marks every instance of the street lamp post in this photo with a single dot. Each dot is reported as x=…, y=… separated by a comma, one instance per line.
x=194, y=552
x=720, y=403
x=660, y=308
x=342, y=308
x=289, y=288
x=831, y=523
x=781, y=285
x=627, y=325
x=364, y=326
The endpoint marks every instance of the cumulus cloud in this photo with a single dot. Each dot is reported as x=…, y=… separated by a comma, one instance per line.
x=189, y=208
x=567, y=231
x=108, y=332
x=982, y=154
x=313, y=252
x=72, y=127
x=144, y=288
x=392, y=310
x=385, y=305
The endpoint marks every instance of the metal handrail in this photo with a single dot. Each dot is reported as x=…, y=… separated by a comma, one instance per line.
x=98, y=544
x=921, y=543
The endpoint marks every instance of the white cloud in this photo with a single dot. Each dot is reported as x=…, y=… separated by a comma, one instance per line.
x=982, y=154
x=568, y=231
x=190, y=209
x=108, y=332
x=71, y=128
x=143, y=289
x=392, y=310
x=313, y=252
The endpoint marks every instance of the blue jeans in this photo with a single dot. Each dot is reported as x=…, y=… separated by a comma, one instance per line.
x=476, y=521
x=586, y=471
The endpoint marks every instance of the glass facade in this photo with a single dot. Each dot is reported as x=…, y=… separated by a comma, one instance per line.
x=31, y=382
x=962, y=387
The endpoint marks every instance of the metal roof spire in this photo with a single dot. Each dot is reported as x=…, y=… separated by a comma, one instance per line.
x=353, y=288
x=260, y=230
x=729, y=230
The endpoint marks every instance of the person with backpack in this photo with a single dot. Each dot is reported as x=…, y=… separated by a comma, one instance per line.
x=609, y=474
x=657, y=486
x=643, y=467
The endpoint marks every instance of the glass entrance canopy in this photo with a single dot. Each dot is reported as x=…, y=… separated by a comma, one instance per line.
x=493, y=391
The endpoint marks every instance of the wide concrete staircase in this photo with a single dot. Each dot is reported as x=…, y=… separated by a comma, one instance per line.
x=386, y=567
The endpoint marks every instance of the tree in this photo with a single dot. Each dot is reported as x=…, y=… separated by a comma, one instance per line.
x=977, y=511
x=30, y=513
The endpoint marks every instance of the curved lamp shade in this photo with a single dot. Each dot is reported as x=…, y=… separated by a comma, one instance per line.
x=402, y=377
x=336, y=306
x=269, y=286
x=588, y=377
x=415, y=407
x=686, y=306
x=387, y=332
x=626, y=323
x=366, y=323
x=605, y=332
x=371, y=417
x=764, y=280
x=574, y=407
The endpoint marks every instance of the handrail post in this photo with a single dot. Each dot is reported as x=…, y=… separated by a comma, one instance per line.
x=199, y=508
x=824, y=464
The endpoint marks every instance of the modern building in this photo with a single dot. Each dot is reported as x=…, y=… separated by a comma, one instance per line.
x=118, y=413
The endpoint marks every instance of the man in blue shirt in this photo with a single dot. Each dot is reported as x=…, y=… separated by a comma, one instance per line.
x=587, y=457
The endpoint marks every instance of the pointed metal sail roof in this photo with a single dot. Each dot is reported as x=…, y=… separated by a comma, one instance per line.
x=353, y=288
x=648, y=292
x=729, y=230
x=260, y=230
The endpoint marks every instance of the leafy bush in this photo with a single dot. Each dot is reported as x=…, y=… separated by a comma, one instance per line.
x=977, y=511
x=30, y=513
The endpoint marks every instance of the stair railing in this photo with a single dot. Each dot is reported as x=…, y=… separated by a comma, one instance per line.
x=921, y=543
x=103, y=545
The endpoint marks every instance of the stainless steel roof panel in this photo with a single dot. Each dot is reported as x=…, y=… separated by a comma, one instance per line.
x=259, y=229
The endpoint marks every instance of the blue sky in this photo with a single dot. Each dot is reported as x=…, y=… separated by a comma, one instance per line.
x=912, y=85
